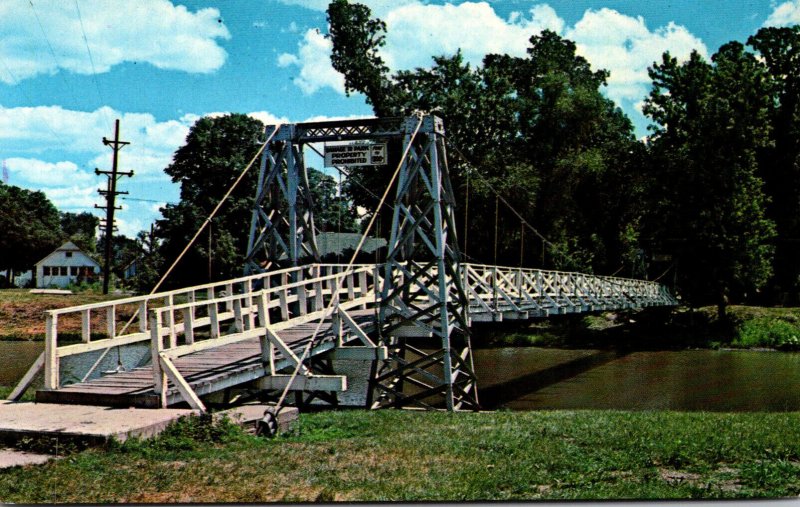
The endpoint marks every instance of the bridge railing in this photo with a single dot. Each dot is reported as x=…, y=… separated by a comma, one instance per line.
x=120, y=322
x=294, y=297
x=495, y=289
x=317, y=292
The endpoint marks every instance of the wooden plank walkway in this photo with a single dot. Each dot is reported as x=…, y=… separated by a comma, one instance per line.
x=206, y=371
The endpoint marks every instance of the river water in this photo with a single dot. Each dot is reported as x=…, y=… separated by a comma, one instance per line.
x=536, y=378
x=531, y=378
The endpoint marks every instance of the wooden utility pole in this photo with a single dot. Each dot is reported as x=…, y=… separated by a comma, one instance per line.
x=110, y=194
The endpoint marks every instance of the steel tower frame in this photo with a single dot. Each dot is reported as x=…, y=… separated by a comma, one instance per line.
x=423, y=304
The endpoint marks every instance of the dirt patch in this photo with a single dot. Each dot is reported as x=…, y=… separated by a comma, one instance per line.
x=677, y=477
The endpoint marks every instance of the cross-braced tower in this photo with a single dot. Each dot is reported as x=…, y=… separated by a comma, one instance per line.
x=422, y=302
x=423, y=296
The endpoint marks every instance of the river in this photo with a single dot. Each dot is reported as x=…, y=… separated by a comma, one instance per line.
x=531, y=378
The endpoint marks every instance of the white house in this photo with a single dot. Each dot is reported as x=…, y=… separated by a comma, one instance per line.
x=66, y=264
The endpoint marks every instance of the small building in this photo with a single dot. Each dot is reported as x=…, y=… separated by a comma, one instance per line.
x=66, y=264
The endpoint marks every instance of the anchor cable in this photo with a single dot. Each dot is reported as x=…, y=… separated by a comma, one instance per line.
x=207, y=220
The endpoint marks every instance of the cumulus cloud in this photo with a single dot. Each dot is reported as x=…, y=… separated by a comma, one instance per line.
x=38, y=172
x=785, y=14
x=156, y=32
x=625, y=46
x=416, y=31
x=314, y=60
x=37, y=130
x=56, y=150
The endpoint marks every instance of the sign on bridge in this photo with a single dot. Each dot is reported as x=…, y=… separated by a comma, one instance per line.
x=355, y=154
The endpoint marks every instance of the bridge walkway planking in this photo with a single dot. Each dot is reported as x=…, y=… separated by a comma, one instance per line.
x=206, y=371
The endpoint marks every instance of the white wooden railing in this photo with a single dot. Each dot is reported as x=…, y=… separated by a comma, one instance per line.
x=118, y=329
x=493, y=290
x=187, y=320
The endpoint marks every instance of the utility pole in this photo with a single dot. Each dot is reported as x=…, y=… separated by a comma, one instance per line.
x=110, y=194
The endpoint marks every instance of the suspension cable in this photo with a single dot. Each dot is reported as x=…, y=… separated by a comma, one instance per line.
x=513, y=210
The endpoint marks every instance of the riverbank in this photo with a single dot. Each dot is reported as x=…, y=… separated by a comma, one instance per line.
x=364, y=456
x=22, y=313
x=747, y=327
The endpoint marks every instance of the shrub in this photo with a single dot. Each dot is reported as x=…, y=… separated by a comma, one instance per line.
x=768, y=332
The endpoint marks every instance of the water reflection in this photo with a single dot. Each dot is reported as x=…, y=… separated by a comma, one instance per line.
x=520, y=379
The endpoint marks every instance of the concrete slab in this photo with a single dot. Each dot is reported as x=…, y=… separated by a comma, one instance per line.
x=13, y=458
x=94, y=424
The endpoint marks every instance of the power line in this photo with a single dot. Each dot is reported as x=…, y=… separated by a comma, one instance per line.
x=91, y=61
x=52, y=51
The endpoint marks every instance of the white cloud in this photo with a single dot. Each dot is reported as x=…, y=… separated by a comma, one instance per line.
x=379, y=8
x=416, y=31
x=37, y=130
x=155, y=32
x=40, y=173
x=625, y=46
x=785, y=14
x=268, y=118
x=74, y=197
x=314, y=60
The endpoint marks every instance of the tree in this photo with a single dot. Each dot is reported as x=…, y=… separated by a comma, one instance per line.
x=537, y=129
x=81, y=229
x=709, y=203
x=332, y=212
x=30, y=225
x=216, y=151
x=779, y=161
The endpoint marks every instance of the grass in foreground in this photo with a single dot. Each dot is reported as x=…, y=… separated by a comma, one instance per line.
x=412, y=456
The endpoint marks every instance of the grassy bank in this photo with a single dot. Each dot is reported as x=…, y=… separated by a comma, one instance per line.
x=22, y=313
x=400, y=455
x=748, y=327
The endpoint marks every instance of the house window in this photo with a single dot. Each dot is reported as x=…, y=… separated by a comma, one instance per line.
x=63, y=270
x=73, y=271
x=46, y=271
x=68, y=254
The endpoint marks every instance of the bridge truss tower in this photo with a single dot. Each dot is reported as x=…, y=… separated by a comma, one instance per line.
x=422, y=312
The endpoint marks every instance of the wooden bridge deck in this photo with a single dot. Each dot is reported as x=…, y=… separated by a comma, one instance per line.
x=206, y=371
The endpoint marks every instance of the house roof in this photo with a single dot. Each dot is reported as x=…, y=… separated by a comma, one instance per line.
x=69, y=246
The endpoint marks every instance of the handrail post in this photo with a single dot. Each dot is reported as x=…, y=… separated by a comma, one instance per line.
x=494, y=286
x=156, y=347
x=51, y=370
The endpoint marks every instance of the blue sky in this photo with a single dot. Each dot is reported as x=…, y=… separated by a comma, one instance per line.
x=69, y=68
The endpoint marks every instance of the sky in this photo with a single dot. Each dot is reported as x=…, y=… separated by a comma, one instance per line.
x=70, y=68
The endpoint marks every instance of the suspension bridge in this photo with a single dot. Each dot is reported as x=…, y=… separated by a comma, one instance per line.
x=278, y=329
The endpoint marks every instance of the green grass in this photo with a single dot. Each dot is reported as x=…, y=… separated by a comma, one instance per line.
x=414, y=456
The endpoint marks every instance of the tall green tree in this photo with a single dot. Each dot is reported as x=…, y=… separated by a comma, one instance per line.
x=81, y=229
x=30, y=225
x=708, y=201
x=779, y=162
x=537, y=129
x=215, y=153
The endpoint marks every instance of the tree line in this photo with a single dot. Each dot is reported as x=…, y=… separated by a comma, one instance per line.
x=708, y=203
